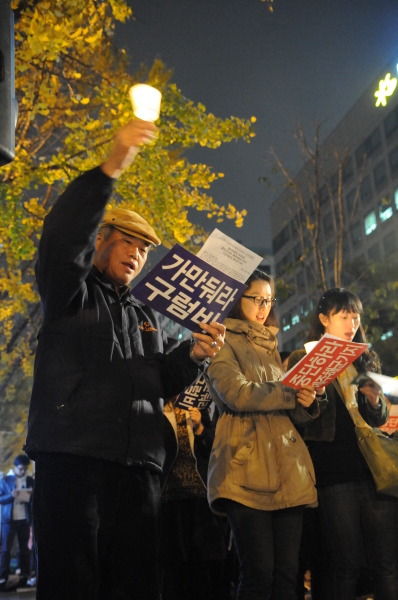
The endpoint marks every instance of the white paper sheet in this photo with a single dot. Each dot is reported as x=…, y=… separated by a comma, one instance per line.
x=230, y=257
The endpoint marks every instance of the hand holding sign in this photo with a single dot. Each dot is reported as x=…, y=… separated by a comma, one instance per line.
x=207, y=345
x=330, y=357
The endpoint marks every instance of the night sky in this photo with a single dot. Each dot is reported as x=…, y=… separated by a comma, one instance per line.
x=308, y=61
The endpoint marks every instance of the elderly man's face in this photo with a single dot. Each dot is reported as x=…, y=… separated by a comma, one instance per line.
x=120, y=257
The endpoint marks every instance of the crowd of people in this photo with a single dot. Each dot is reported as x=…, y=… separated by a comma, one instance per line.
x=136, y=498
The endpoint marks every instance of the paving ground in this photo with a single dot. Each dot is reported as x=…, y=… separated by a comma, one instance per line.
x=25, y=595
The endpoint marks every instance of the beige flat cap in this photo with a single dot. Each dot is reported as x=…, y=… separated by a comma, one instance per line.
x=131, y=223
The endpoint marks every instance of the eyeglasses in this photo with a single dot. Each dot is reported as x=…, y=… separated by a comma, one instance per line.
x=259, y=300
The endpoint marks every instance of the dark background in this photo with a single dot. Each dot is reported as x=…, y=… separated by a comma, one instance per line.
x=308, y=61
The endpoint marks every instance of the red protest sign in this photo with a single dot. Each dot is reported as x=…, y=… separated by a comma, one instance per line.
x=330, y=357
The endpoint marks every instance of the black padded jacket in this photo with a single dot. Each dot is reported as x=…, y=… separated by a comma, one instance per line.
x=103, y=365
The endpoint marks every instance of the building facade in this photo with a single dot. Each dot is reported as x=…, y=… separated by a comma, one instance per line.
x=368, y=138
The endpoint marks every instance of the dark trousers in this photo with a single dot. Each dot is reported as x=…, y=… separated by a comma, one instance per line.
x=193, y=551
x=9, y=531
x=314, y=558
x=96, y=529
x=267, y=544
x=360, y=529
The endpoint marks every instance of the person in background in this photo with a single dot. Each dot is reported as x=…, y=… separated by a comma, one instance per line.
x=194, y=543
x=103, y=367
x=16, y=501
x=260, y=472
x=357, y=525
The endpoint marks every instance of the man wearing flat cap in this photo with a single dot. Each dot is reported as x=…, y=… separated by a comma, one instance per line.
x=103, y=367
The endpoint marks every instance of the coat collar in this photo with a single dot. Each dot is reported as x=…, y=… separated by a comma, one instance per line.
x=256, y=333
x=125, y=295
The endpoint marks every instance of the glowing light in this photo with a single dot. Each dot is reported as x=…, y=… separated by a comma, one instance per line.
x=386, y=89
x=145, y=100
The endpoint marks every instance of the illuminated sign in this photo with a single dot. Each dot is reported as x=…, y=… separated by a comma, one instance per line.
x=387, y=87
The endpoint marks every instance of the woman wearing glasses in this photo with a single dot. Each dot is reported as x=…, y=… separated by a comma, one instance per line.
x=260, y=473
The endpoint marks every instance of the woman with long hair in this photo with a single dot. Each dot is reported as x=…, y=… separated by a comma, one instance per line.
x=260, y=472
x=356, y=524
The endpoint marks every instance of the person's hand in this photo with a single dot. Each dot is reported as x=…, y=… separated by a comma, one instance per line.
x=22, y=495
x=320, y=390
x=208, y=344
x=372, y=392
x=306, y=396
x=125, y=146
x=196, y=418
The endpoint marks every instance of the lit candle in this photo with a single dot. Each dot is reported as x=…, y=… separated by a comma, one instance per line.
x=145, y=100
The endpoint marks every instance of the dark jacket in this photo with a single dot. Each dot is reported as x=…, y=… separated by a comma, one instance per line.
x=103, y=364
x=331, y=438
x=323, y=429
x=7, y=485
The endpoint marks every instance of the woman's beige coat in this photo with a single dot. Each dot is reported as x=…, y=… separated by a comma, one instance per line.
x=258, y=457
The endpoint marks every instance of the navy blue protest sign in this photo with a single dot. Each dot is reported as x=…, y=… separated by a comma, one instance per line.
x=188, y=290
x=195, y=395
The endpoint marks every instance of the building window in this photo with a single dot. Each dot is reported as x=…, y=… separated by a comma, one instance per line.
x=348, y=170
x=356, y=234
x=389, y=243
x=349, y=201
x=327, y=223
x=393, y=159
x=323, y=195
x=304, y=308
x=297, y=252
x=368, y=147
x=309, y=276
x=370, y=222
x=380, y=175
x=366, y=191
x=300, y=281
x=391, y=123
x=295, y=320
x=281, y=239
x=285, y=262
x=334, y=182
x=387, y=334
x=286, y=322
x=330, y=252
x=385, y=209
x=374, y=253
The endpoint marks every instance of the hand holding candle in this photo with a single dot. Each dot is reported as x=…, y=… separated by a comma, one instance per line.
x=126, y=144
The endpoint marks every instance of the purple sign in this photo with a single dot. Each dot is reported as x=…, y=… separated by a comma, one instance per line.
x=188, y=290
x=196, y=395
